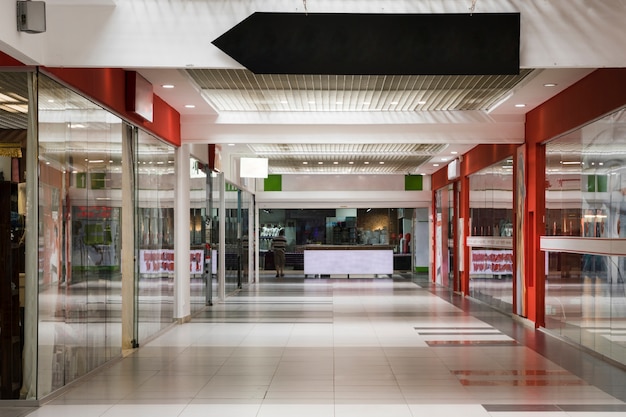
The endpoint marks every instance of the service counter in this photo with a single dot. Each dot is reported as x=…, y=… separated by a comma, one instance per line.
x=348, y=260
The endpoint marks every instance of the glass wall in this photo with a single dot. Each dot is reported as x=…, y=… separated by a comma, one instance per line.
x=238, y=208
x=200, y=231
x=80, y=222
x=586, y=206
x=443, y=234
x=80, y=148
x=491, y=235
x=155, y=180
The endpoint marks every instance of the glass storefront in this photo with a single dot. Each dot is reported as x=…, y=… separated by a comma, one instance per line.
x=443, y=236
x=388, y=227
x=71, y=322
x=586, y=206
x=491, y=235
x=202, y=237
x=155, y=180
x=238, y=208
x=80, y=148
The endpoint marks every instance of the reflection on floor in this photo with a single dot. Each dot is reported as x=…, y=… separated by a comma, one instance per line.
x=349, y=347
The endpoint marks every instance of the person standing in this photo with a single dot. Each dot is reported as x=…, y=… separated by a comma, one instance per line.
x=279, y=244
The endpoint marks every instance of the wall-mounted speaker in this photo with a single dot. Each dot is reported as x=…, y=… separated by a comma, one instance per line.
x=31, y=16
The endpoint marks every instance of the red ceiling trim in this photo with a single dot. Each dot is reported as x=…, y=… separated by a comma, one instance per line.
x=600, y=93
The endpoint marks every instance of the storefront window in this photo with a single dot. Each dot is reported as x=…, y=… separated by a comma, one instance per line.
x=155, y=228
x=200, y=238
x=238, y=205
x=586, y=205
x=79, y=236
x=381, y=227
x=491, y=235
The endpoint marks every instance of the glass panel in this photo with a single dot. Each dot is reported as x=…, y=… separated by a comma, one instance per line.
x=79, y=231
x=246, y=227
x=451, y=214
x=585, y=193
x=491, y=226
x=155, y=227
x=199, y=235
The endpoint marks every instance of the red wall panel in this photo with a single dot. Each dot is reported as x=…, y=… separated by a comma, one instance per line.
x=107, y=86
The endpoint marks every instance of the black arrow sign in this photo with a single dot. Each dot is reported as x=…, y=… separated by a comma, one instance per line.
x=376, y=44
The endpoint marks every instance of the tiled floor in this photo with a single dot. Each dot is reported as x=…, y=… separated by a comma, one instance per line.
x=341, y=348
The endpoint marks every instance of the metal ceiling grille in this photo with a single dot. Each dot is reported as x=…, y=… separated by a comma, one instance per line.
x=242, y=90
x=13, y=100
x=345, y=158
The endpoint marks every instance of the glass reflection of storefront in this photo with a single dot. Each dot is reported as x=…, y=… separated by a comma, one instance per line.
x=491, y=235
x=584, y=237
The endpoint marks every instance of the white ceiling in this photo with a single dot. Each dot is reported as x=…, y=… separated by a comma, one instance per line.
x=561, y=42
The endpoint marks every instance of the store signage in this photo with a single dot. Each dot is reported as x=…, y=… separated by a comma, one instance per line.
x=139, y=96
x=490, y=242
x=161, y=261
x=491, y=262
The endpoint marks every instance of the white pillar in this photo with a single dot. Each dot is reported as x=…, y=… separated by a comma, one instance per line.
x=182, y=277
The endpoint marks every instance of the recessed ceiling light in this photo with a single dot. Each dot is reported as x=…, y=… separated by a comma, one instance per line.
x=366, y=163
x=382, y=162
x=549, y=85
x=435, y=165
x=168, y=86
x=284, y=102
x=351, y=162
x=454, y=152
x=444, y=159
x=50, y=101
x=336, y=163
x=190, y=106
x=421, y=102
x=320, y=163
x=339, y=102
x=231, y=144
x=520, y=105
x=394, y=103
x=305, y=163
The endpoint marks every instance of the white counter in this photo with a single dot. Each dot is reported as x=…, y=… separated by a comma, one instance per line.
x=348, y=260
